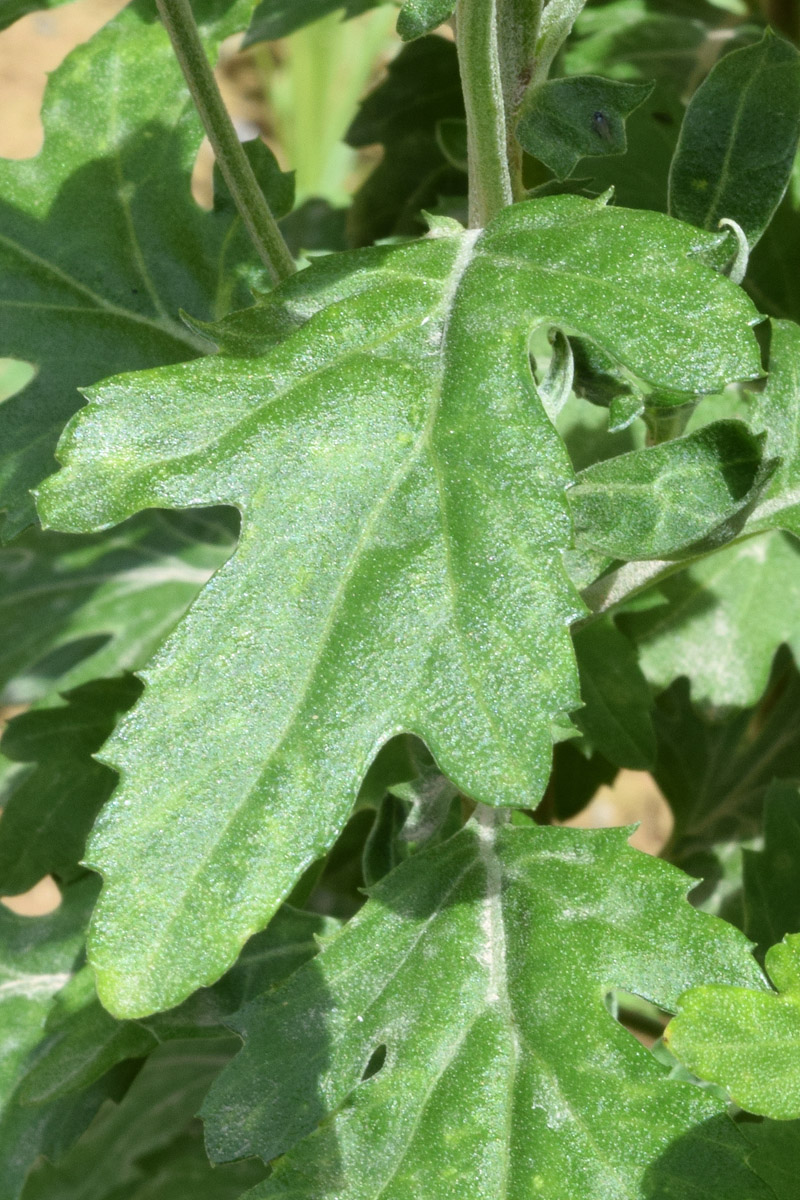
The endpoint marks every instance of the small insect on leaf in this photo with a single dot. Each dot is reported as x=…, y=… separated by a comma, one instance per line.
x=602, y=125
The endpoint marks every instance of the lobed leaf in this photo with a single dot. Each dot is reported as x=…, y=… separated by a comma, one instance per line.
x=616, y=717
x=77, y=608
x=715, y=769
x=721, y=621
x=770, y=877
x=48, y=809
x=565, y=120
x=660, y=502
x=481, y=969
x=403, y=514
x=776, y=410
x=730, y=161
x=100, y=240
x=154, y=1119
x=747, y=1041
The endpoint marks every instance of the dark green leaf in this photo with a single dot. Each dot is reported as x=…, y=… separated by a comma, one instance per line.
x=73, y=609
x=113, y=1156
x=747, y=1041
x=85, y=1041
x=616, y=715
x=739, y=138
x=482, y=966
x=48, y=810
x=633, y=40
x=278, y=18
x=716, y=772
x=771, y=878
x=659, y=502
x=421, y=89
x=451, y=134
x=101, y=242
x=37, y=957
x=775, y=1155
x=722, y=620
x=403, y=507
x=566, y=120
x=776, y=410
x=12, y=10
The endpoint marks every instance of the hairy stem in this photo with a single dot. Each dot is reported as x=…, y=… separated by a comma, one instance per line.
x=180, y=24
x=517, y=34
x=490, y=188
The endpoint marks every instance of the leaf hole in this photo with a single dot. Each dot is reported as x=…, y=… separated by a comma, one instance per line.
x=645, y=1021
x=375, y=1064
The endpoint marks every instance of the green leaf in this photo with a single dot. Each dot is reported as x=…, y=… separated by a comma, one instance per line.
x=402, y=499
x=662, y=501
x=85, y=1041
x=37, y=955
x=747, y=1041
x=566, y=120
x=48, y=810
x=115, y=1152
x=77, y=608
x=771, y=880
x=278, y=18
x=776, y=410
x=715, y=772
x=722, y=620
x=616, y=715
x=775, y=1154
x=422, y=88
x=730, y=161
x=101, y=242
x=629, y=40
x=12, y=10
x=418, y=17
x=504, y=1073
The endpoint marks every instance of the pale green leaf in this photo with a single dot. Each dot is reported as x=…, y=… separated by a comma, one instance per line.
x=482, y=968
x=565, y=120
x=403, y=515
x=660, y=502
x=747, y=1041
x=74, y=609
x=722, y=620
x=739, y=138
x=101, y=242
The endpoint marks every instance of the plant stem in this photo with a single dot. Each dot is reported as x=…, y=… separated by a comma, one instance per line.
x=481, y=78
x=517, y=33
x=180, y=24
x=783, y=15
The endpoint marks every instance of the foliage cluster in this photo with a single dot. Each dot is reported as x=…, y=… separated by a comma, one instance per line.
x=379, y=535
